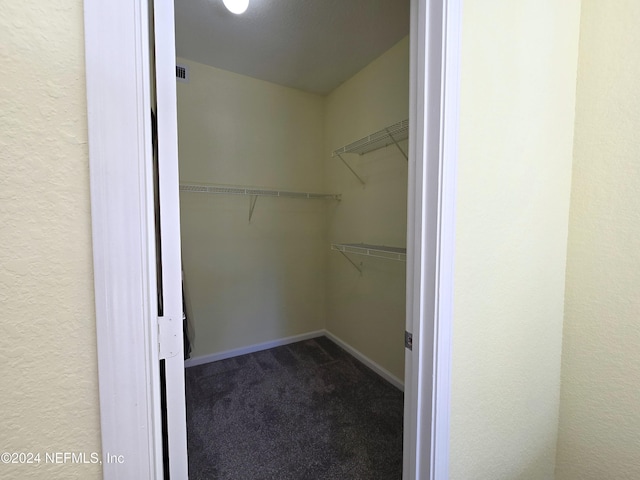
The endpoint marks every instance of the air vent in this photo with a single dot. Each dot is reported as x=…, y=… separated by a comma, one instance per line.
x=182, y=73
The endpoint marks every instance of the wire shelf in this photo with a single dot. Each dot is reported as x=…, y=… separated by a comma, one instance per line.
x=255, y=192
x=383, y=138
x=379, y=251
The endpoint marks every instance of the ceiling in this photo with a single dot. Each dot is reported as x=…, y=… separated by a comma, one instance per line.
x=311, y=45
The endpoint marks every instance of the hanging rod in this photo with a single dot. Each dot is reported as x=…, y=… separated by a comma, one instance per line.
x=255, y=192
x=379, y=251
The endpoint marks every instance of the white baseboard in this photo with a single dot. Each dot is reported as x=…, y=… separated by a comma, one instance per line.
x=383, y=372
x=236, y=352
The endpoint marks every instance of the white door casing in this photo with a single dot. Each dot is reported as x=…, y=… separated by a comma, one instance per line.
x=433, y=151
x=121, y=173
x=120, y=153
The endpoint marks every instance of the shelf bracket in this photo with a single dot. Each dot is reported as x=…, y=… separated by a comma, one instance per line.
x=397, y=145
x=252, y=205
x=352, y=170
x=355, y=265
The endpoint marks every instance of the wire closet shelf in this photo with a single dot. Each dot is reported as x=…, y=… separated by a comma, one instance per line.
x=254, y=192
x=388, y=136
x=379, y=251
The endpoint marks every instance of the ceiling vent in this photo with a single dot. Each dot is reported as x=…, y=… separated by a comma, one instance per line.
x=182, y=73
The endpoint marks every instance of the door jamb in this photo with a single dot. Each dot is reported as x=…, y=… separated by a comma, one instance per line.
x=118, y=106
x=433, y=123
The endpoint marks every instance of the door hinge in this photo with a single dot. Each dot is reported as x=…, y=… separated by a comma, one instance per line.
x=408, y=340
x=168, y=337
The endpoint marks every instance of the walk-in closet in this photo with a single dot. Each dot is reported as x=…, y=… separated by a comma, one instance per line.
x=293, y=145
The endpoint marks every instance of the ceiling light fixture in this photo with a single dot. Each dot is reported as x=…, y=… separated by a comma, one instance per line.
x=236, y=6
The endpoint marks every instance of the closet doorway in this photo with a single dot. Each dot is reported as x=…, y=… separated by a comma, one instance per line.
x=432, y=122
x=293, y=153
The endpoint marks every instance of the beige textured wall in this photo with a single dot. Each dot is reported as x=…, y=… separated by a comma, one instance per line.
x=600, y=404
x=48, y=365
x=368, y=311
x=517, y=114
x=251, y=282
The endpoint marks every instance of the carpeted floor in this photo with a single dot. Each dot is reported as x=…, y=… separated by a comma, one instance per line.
x=305, y=411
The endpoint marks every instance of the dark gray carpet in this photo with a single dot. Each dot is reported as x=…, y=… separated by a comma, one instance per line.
x=305, y=411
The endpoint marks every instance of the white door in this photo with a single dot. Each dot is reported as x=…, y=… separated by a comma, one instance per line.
x=170, y=310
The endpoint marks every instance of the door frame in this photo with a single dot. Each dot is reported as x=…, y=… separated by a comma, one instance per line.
x=120, y=158
x=433, y=151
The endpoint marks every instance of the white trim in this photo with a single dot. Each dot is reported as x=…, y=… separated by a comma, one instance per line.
x=416, y=96
x=169, y=199
x=119, y=128
x=383, y=372
x=449, y=126
x=434, y=118
x=236, y=352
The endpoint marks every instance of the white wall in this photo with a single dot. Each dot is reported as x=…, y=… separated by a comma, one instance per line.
x=600, y=408
x=517, y=114
x=48, y=362
x=368, y=311
x=250, y=282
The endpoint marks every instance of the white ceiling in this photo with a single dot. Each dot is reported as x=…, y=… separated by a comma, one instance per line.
x=312, y=45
